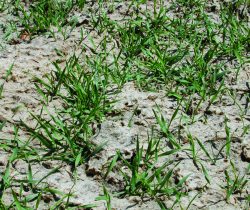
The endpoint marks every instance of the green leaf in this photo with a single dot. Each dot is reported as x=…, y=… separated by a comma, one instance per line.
x=78, y=158
x=204, y=149
x=180, y=183
x=207, y=177
x=112, y=164
x=17, y=203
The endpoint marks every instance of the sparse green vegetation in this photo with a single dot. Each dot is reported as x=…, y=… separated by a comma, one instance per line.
x=5, y=79
x=190, y=54
x=143, y=178
x=236, y=182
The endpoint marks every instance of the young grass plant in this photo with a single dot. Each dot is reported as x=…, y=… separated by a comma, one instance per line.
x=37, y=188
x=8, y=73
x=40, y=16
x=235, y=183
x=106, y=197
x=143, y=178
x=3, y=5
x=169, y=52
x=195, y=156
x=43, y=14
x=165, y=127
x=228, y=139
x=66, y=133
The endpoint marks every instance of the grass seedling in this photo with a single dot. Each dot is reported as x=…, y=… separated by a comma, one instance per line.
x=67, y=142
x=83, y=92
x=235, y=183
x=131, y=118
x=106, y=197
x=228, y=139
x=81, y=3
x=8, y=73
x=193, y=149
x=196, y=157
x=9, y=182
x=3, y=5
x=36, y=187
x=40, y=16
x=165, y=126
x=143, y=178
